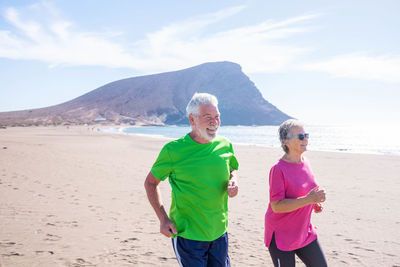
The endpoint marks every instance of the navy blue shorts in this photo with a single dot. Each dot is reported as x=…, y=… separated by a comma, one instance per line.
x=192, y=253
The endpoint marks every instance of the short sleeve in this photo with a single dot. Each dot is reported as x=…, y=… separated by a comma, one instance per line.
x=233, y=163
x=162, y=167
x=276, y=184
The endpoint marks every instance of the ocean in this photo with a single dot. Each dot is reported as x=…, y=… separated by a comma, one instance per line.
x=366, y=139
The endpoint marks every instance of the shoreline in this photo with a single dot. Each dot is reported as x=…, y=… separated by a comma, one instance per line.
x=107, y=129
x=160, y=136
x=73, y=196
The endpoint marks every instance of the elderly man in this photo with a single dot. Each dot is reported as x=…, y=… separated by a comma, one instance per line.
x=201, y=170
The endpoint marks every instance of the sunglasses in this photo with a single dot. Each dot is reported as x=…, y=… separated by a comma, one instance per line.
x=300, y=136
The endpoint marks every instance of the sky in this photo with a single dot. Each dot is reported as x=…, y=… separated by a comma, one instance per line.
x=323, y=62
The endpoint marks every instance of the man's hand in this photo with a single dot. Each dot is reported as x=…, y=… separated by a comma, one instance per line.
x=167, y=228
x=233, y=188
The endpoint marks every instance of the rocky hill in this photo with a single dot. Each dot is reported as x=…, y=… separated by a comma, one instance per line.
x=160, y=99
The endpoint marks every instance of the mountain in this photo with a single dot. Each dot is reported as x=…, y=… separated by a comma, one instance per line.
x=160, y=99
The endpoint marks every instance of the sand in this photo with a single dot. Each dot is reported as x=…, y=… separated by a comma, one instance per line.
x=75, y=197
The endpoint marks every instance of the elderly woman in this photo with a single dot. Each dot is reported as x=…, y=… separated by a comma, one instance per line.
x=293, y=195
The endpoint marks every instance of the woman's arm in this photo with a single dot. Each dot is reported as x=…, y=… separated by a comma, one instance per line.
x=291, y=204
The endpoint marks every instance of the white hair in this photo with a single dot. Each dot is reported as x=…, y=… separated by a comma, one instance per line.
x=203, y=98
x=284, y=131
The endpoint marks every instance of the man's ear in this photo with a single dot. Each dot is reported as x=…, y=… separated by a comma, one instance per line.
x=191, y=119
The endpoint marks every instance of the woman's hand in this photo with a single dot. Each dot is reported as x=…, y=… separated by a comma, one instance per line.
x=316, y=195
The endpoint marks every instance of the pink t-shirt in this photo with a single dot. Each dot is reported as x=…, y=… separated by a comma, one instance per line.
x=292, y=230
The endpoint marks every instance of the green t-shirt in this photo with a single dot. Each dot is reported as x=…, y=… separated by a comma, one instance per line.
x=198, y=174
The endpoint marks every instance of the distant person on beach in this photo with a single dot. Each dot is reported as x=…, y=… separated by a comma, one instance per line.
x=201, y=170
x=293, y=195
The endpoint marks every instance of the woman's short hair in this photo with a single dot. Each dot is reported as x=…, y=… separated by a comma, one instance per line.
x=284, y=130
x=204, y=98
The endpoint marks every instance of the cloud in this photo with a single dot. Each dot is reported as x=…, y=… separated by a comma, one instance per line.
x=41, y=34
x=360, y=66
x=57, y=43
x=258, y=48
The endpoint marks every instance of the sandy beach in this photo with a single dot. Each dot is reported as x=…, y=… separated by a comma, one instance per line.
x=75, y=197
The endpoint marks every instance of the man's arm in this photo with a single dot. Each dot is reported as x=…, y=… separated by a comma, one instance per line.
x=233, y=188
x=167, y=228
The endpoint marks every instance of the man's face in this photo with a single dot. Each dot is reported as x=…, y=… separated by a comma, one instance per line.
x=206, y=124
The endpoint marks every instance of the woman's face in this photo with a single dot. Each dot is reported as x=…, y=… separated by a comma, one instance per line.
x=293, y=142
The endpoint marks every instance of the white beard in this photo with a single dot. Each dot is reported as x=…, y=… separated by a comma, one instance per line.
x=206, y=136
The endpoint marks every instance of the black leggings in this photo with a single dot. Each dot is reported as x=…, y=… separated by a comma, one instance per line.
x=311, y=255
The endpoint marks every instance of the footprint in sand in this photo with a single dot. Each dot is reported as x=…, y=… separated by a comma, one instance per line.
x=334, y=252
x=351, y=241
x=38, y=252
x=51, y=237
x=129, y=239
x=82, y=262
x=11, y=254
x=366, y=249
x=7, y=244
x=354, y=256
x=163, y=259
x=390, y=255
